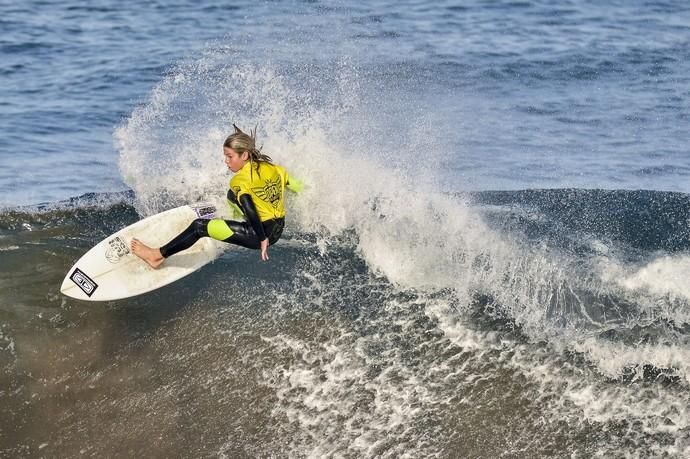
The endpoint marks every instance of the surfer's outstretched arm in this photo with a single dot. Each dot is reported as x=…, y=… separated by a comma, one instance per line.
x=295, y=185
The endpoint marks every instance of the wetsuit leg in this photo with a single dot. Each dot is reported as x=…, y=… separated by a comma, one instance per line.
x=238, y=233
x=243, y=234
x=186, y=238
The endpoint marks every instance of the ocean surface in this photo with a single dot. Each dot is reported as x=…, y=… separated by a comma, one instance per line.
x=491, y=257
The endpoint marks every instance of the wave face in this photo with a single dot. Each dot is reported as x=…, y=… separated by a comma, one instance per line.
x=526, y=323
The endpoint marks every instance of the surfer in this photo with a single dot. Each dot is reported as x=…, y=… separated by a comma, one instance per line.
x=256, y=195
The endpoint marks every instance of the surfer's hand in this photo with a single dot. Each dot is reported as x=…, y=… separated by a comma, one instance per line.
x=264, y=250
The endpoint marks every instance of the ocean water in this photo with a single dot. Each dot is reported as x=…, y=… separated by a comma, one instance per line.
x=490, y=259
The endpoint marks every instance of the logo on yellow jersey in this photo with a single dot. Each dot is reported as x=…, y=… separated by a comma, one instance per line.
x=270, y=192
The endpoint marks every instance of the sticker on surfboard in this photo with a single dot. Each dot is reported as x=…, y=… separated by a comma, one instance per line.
x=205, y=211
x=117, y=248
x=84, y=282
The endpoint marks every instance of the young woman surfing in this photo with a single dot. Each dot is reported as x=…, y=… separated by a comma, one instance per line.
x=257, y=193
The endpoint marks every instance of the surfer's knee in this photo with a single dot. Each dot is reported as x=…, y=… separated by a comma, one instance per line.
x=199, y=227
x=218, y=229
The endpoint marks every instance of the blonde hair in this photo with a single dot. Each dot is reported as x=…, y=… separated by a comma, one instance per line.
x=242, y=142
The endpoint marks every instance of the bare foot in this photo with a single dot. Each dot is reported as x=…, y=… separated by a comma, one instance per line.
x=150, y=255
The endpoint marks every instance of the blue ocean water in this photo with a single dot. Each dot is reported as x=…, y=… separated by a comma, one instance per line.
x=490, y=258
x=516, y=94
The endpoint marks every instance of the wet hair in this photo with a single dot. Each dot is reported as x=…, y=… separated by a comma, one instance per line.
x=242, y=142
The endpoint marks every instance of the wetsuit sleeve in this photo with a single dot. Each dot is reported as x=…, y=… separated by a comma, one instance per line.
x=294, y=185
x=252, y=216
x=235, y=209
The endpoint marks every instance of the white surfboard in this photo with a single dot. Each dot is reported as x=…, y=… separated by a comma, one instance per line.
x=109, y=271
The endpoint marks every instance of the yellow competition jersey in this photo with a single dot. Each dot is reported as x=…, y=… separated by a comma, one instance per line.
x=266, y=187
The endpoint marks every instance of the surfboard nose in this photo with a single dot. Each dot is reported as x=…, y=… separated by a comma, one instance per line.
x=78, y=284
